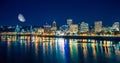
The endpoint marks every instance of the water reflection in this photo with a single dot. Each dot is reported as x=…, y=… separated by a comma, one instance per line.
x=58, y=50
x=73, y=50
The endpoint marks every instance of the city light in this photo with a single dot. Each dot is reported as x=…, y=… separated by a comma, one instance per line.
x=80, y=29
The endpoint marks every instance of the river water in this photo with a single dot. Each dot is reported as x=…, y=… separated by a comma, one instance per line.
x=26, y=49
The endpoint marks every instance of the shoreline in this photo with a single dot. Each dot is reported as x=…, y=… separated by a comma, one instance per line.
x=116, y=38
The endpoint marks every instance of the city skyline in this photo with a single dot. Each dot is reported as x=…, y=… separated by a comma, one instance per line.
x=69, y=27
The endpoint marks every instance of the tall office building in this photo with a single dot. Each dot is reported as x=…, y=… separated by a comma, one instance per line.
x=17, y=28
x=54, y=24
x=84, y=27
x=31, y=29
x=98, y=26
x=47, y=28
x=73, y=28
x=69, y=22
x=54, y=27
x=116, y=26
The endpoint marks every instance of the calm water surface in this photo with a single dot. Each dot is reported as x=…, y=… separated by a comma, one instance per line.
x=26, y=49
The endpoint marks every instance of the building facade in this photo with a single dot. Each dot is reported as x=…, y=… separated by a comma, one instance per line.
x=54, y=26
x=69, y=21
x=98, y=26
x=84, y=27
x=47, y=29
x=116, y=26
x=73, y=28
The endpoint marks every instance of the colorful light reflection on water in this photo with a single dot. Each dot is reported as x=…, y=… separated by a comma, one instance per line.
x=34, y=49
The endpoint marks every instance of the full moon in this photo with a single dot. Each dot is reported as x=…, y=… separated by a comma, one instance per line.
x=21, y=18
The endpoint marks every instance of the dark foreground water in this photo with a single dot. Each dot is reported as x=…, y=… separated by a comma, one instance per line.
x=27, y=49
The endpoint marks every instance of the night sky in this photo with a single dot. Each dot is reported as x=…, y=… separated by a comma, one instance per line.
x=38, y=12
